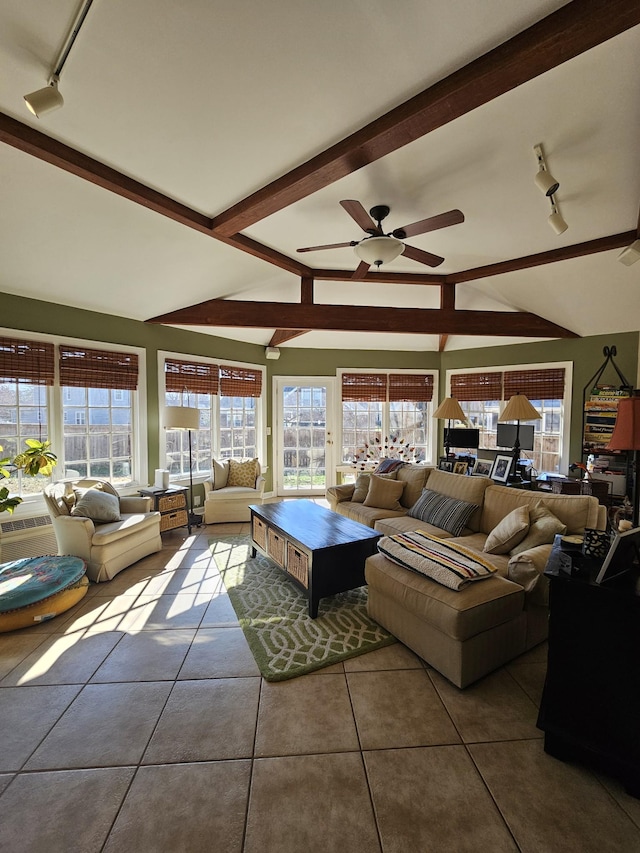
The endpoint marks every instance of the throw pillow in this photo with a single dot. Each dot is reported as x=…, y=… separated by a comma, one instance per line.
x=243, y=473
x=384, y=493
x=97, y=505
x=388, y=465
x=509, y=532
x=220, y=473
x=362, y=486
x=543, y=528
x=446, y=513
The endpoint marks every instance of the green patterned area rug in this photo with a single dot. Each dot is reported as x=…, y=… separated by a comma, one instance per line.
x=274, y=615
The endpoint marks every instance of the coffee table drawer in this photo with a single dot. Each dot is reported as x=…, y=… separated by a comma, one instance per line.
x=276, y=547
x=259, y=533
x=298, y=564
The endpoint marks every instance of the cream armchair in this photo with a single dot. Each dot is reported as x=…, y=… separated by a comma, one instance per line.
x=107, y=546
x=235, y=485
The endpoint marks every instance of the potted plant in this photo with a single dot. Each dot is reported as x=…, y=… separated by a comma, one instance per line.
x=36, y=459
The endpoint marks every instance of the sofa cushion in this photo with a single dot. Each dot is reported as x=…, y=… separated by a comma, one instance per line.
x=448, y=513
x=368, y=515
x=543, y=527
x=509, y=532
x=99, y=506
x=463, y=488
x=220, y=473
x=390, y=526
x=384, y=493
x=361, y=489
x=243, y=473
x=415, y=478
x=576, y=511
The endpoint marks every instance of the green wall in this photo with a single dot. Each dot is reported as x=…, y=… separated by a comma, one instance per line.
x=32, y=315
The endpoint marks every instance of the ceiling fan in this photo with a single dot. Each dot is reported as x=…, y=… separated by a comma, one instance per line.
x=380, y=247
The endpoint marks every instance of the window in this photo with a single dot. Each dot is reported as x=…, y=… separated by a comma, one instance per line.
x=483, y=394
x=394, y=406
x=229, y=401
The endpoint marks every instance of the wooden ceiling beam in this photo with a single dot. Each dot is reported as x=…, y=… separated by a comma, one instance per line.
x=422, y=321
x=280, y=336
x=447, y=303
x=380, y=276
x=571, y=30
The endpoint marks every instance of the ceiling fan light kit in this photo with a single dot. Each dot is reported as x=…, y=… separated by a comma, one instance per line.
x=376, y=251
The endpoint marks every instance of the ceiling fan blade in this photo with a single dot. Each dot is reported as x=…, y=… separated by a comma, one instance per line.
x=422, y=257
x=357, y=212
x=328, y=246
x=432, y=223
x=362, y=269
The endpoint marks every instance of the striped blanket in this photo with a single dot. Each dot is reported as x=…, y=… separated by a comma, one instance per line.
x=448, y=563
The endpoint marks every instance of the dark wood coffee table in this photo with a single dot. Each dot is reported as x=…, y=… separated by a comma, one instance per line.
x=323, y=552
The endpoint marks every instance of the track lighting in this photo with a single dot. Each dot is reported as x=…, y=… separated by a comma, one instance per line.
x=545, y=181
x=46, y=100
x=555, y=220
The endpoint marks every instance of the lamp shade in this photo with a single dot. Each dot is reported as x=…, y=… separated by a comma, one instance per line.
x=450, y=409
x=379, y=250
x=626, y=433
x=44, y=100
x=519, y=409
x=181, y=417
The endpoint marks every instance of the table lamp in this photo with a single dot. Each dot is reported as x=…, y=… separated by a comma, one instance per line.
x=185, y=417
x=626, y=436
x=518, y=409
x=449, y=410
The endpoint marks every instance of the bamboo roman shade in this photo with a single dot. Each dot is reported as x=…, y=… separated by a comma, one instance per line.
x=468, y=387
x=412, y=387
x=91, y=368
x=364, y=387
x=27, y=361
x=240, y=381
x=193, y=376
x=535, y=384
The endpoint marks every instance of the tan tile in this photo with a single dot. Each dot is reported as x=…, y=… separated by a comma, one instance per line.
x=14, y=648
x=396, y=656
x=196, y=559
x=552, y=805
x=630, y=805
x=170, y=611
x=57, y=802
x=219, y=653
x=193, y=581
x=538, y=654
x=101, y=614
x=197, y=808
x=107, y=724
x=5, y=778
x=398, y=708
x=310, y=803
x=305, y=715
x=26, y=716
x=207, y=721
x=220, y=612
x=494, y=708
x=530, y=676
x=131, y=581
x=146, y=656
x=455, y=813
x=64, y=659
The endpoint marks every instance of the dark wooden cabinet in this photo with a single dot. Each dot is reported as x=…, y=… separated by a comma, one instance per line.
x=590, y=709
x=172, y=505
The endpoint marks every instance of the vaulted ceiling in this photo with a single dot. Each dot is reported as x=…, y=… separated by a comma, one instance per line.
x=201, y=144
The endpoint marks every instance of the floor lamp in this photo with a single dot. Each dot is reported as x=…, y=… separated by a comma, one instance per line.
x=185, y=417
x=518, y=409
x=626, y=436
x=449, y=410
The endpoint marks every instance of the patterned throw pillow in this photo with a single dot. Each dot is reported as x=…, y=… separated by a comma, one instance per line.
x=446, y=513
x=243, y=473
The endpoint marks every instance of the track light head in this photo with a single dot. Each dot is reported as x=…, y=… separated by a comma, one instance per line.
x=631, y=254
x=555, y=220
x=45, y=100
x=545, y=181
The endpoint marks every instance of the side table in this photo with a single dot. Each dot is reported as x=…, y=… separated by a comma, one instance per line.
x=171, y=503
x=590, y=705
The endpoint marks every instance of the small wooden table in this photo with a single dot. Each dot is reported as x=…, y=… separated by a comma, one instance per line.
x=323, y=552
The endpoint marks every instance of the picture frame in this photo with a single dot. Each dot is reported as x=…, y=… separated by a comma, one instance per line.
x=460, y=467
x=445, y=464
x=501, y=468
x=482, y=467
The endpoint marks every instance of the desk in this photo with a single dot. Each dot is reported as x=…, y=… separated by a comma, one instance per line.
x=590, y=709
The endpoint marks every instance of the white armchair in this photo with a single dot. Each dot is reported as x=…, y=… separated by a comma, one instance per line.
x=235, y=485
x=107, y=546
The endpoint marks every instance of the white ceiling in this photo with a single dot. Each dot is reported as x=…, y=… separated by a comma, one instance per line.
x=208, y=102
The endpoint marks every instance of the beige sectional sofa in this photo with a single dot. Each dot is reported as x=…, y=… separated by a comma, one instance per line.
x=468, y=633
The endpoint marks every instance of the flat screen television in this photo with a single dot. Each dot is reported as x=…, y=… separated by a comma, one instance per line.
x=462, y=437
x=506, y=436
x=623, y=552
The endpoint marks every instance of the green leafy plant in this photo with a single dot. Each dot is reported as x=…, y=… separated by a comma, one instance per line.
x=36, y=459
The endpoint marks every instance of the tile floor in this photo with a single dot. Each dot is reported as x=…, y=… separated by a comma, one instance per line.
x=138, y=721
